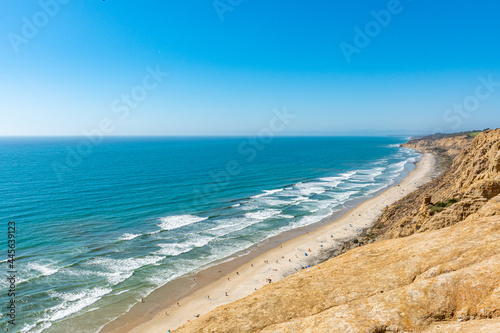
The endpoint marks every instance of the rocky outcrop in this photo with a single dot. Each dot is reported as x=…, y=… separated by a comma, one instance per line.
x=435, y=269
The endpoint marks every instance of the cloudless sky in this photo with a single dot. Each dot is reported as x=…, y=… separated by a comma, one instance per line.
x=227, y=76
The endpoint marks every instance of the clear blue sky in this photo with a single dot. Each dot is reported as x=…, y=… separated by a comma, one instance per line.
x=226, y=76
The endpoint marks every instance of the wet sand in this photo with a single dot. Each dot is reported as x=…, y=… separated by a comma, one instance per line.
x=183, y=299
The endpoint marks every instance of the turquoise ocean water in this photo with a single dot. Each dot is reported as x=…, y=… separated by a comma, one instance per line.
x=99, y=232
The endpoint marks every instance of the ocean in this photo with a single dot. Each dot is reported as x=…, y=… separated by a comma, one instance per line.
x=101, y=225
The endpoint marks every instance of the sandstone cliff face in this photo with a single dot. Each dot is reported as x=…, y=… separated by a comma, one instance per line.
x=438, y=269
x=472, y=180
x=451, y=146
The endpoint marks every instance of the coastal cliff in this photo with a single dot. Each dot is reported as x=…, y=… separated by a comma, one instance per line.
x=450, y=145
x=434, y=267
x=457, y=193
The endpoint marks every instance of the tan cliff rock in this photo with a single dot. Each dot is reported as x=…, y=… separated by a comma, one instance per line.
x=451, y=146
x=435, y=269
x=472, y=180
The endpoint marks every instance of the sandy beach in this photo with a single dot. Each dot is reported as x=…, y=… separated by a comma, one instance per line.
x=230, y=281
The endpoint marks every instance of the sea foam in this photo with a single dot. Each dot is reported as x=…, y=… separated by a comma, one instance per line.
x=129, y=236
x=179, y=221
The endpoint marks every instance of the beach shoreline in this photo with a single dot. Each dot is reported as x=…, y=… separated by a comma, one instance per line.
x=183, y=299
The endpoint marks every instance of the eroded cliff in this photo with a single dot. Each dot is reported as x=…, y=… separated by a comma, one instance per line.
x=450, y=145
x=462, y=190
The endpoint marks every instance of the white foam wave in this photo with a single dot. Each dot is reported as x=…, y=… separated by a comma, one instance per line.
x=342, y=197
x=367, y=175
x=174, y=249
x=311, y=219
x=398, y=167
x=275, y=202
x=323, y=184
x=262, y=214
x=266, y=193
x=230, y=225
x=307, y=189
x=129, y=236
x=44, y=269
x=73, y=303
x=44, y=324
x=119, y=270
x=301, y=198
x=341, y=177
x=178, y=221
x=352, y=186
x=122, y=292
